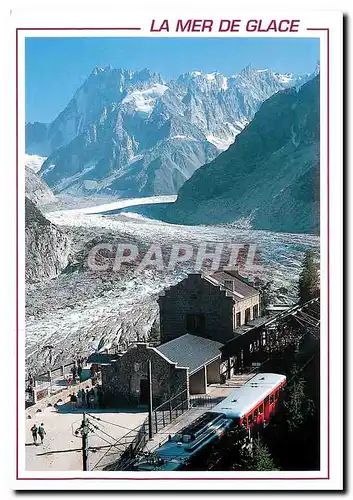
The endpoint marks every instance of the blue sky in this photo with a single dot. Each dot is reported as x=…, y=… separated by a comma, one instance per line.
x=56, y=67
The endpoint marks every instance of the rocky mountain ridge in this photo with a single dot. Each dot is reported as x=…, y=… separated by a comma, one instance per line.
x=47, y=246
x=270, y=176
x=133, y=133
x=37, y=190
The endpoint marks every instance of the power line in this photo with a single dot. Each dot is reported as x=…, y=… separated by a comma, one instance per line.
x=111, y=423
x=103, y=432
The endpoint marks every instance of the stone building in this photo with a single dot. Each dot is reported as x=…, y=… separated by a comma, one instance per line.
x=197, y=317
x=212, y=306
x=125, y=379
x=184, y=366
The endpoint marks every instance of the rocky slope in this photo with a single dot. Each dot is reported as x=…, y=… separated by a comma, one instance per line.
x=36, y=189
x=47, y=246
x=133, y=133
x=269, y=176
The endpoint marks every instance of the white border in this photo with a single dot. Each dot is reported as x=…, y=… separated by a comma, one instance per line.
x=142, y=18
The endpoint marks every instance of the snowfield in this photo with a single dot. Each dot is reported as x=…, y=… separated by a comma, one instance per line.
x=81, y=310
x=34, y=162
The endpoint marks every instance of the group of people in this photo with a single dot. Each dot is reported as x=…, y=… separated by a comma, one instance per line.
x=31, y=382
x=76, y=371
x=87, y=398
x=38, y=431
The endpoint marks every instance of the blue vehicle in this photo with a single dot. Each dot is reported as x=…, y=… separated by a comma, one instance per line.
x=250, y=406
x=175, y=453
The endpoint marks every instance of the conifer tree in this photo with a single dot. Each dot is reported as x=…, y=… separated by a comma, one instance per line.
x=261, y=457
x=309, y=287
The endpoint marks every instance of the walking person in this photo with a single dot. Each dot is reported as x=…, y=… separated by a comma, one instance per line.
x=41, y=432
x=100, y=397
x=34, y=431
x=30, y=380
x=87, y=398
x=91, y=399
x=96, y=396
x=79, y=399
x=74, y=373
x=73, y=400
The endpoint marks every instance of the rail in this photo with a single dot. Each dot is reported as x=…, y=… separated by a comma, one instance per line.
x=134, y=441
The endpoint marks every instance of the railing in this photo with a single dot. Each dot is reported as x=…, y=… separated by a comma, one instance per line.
x=203, y=400
x=169, y=411
x=134, y=441
x=55, y=372
x=47, y=383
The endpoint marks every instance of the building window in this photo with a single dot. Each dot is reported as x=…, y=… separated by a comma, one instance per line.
x=238, y=319
x=247, y=315
x=255, y=311
x=195, y=323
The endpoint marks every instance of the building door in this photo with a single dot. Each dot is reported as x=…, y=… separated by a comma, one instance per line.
x=255, y=311
x=195, y=323
x=238, y=319
x=144, y=391
x=247, y=315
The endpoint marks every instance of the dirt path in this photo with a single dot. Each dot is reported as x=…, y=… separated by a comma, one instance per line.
x=61, y=449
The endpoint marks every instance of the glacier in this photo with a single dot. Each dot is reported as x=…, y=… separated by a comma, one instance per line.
x=81, y=311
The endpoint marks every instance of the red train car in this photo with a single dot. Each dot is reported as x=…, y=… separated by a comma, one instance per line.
x=255, y=402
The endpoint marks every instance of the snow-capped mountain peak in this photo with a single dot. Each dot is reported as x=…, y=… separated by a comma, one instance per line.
x=133, y=132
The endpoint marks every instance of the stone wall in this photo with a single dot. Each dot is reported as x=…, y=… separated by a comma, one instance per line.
x=62, y=396
x=121, y=379
x=196, y=295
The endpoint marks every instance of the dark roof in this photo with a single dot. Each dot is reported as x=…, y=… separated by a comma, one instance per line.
x=101, y=358
x=191, y=351
x=241, y=290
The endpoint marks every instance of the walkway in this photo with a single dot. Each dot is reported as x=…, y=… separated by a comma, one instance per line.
x=216, y=392
x=61, y=450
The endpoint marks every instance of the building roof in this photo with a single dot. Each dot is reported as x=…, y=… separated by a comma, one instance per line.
x=241, y=290
x=191, y=351
x=245, y=398
x=101, y=358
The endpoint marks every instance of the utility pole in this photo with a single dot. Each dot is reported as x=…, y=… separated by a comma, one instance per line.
x=150, y=403
x=84, y=443
x=83, y=430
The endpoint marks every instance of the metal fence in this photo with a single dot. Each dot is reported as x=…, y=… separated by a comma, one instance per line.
x=203, y=401
x=54, y=372
x=168, y=411
x=135, y=441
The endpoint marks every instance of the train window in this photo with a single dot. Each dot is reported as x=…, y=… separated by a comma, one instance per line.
x=244, y=422
x=256, y=414
x=261, y=409
x=250, y=419
x=271, y=399
x=277, y=395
